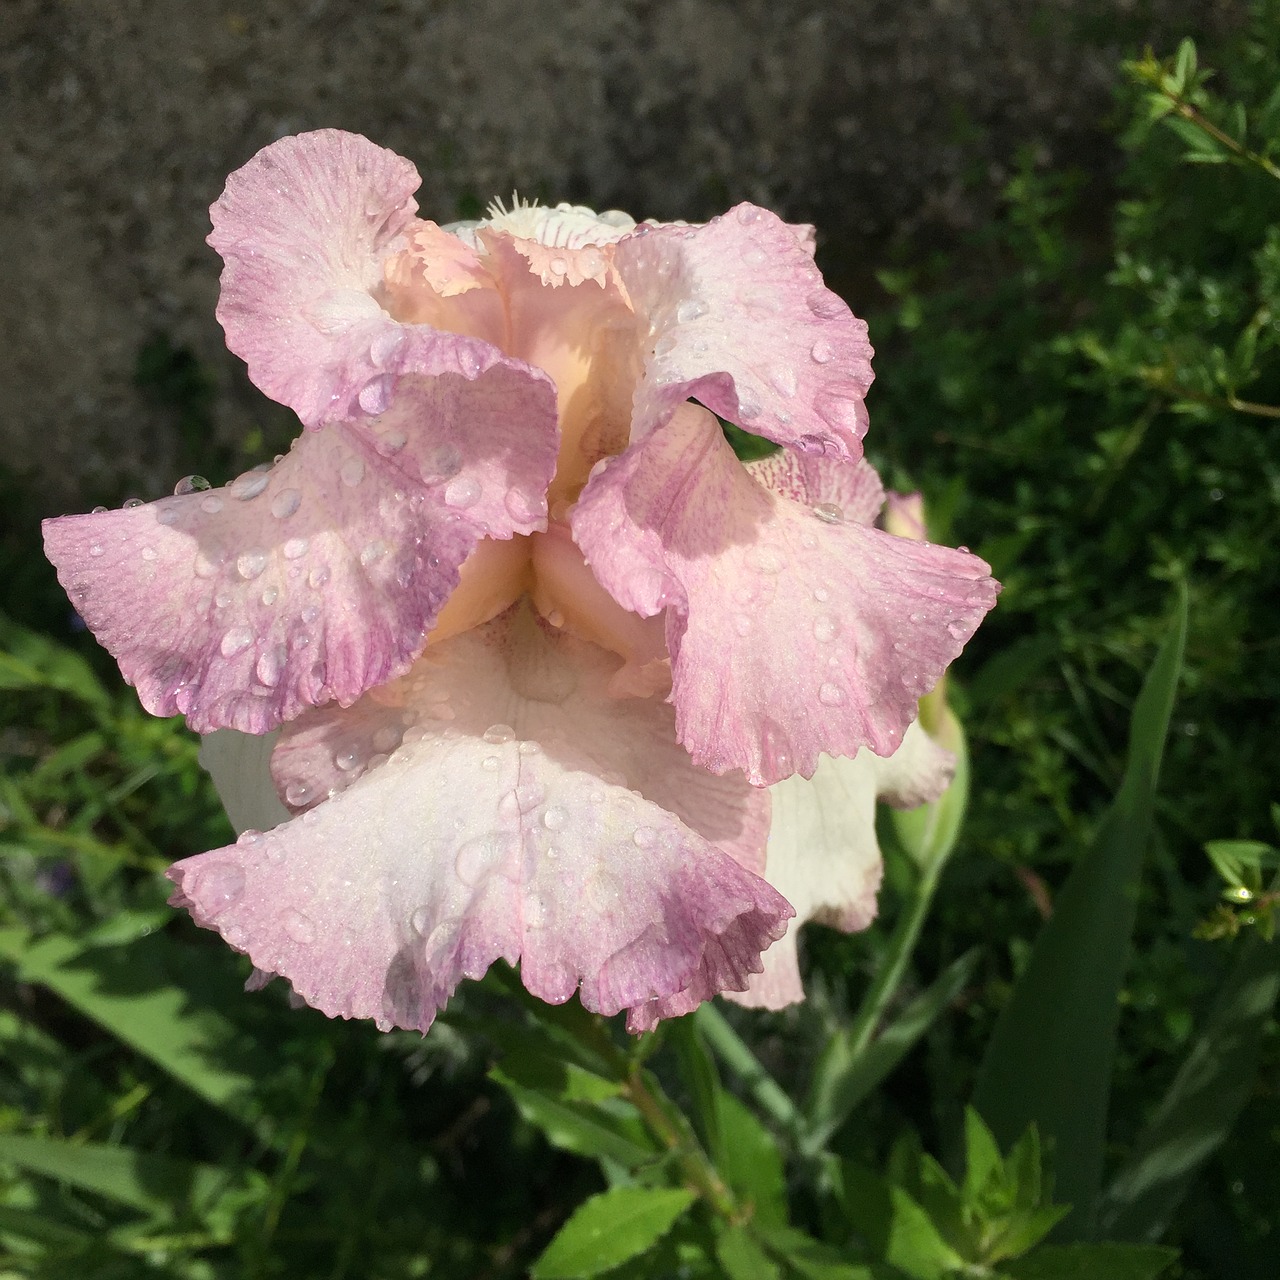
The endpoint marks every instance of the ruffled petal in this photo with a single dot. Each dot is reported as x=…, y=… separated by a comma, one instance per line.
x=522, y=815
x=823, y=855
x=792, y=631
x=738, y=318
x=303, y=229
x=242, y=606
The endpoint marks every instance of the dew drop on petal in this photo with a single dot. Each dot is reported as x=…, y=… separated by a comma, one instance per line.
x=375, y=395
x=298, y=793
x=269, y=596
x=747, y=214
x=249, y=485
x=462, y=491
x=385, y=345
x=372, y=551
x=347, y=759
x=298, y=926
x=821, y=594
x=831, y=695
x=352, y=471
x=96, y=549
x=249, y=564
x=318, y=576
x=219, y=886
x=828, y=512
x=190, y=484
x=129, y=503
x=821, y=351
x=784, y=379
x=387, y=738
x=392, y=442
x=211, y=505
x=468, y=362
x=295, y=548
x=691, y=309
x=270, y=665
x=825, y=628
x=490, y=764
x=234, y=641
x=827, y=305
x=148, y=553
x=496, y=734
x=742, y=624
x=644, y=837
x=554, y=819
x=523, y=507
x=285, y=503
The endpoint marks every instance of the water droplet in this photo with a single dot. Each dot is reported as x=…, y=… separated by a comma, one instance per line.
x=222, y=599
x=828, y=512
x=387, y=738
x=249, y=564
x=523, y=507
x=167, y=515
x=391, y=442
x=496, y=734
x=821, y=594
x=130, y=503
x=468, y=362
x=748, y=404
x=825, y=628
x=644, y=837
x=554, y=819
x=958, y=630
x=840, y=410
x=347, y=759
x=372, y=551
x=558, y=266
x=270, y=665
x=421, y=920
x=148, y=553
x=813, y=444
x=527, y=748
x=479, y=857
x=285, y=503
x=784, y=379
x=298, y=926
x=234, y=641
x=318, y=576
x=248, y=485
x=826, y=305
x=97, y=511
x=297, y=793
x=375, y=395
x=190, y=484
x=822, y=351
x=463, y=491
x=742, y=624
x=385, y=345
x=691, y=309
x=831, y=695
x=96, y=549
x=748, y=213
x=766, y=559
x=218, y=885
x=211, y=505
x=490, y=764
x=352, y=471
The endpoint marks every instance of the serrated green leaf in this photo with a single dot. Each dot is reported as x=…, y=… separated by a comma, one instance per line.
x=1231, y=857
x=983, y=1162
x=742, y=1258
x=751, y=1163
x=896, y=1227
x=1050, y=1058
x=583, y=1127
x=1202, y=1104
x=132, y=992
x=1091, y=1261
x=610, y=1228
x=156, y=1185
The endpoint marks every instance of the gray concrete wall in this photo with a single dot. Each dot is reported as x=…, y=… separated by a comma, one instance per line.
x=869, y=117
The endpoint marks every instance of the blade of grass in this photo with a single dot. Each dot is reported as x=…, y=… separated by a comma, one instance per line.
x=1050, y=1058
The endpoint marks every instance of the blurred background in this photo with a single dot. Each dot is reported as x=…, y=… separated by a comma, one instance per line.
x=878, y=121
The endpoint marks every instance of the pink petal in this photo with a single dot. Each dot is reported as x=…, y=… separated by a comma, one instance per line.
x=823, y=855
x=792, y=631
x=303, y=229
x=242, y=606
x=826, y=485
x=575, y=838
x=739, y=319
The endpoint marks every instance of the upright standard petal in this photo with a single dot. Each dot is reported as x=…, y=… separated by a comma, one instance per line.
x=792, y=630
x=303, y=229
x=522, y=814
x=316, y=580
x=823, y=855
x=739, y=318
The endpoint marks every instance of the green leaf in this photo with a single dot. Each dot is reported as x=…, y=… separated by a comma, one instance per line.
x=842, y=1080
x=1185, y=66
x=1091, y=1261
x=703, y=1082
x=929, y=831
x=555, y=1102
x=155, y=1185
x=814, y=1260
x=607, y=1229
x=751, y=1163
x=742, y=1258
x=1232, y=857
x=897, y=1228
x=1202, y=1104
x=135, y=995
x=1049, y=1061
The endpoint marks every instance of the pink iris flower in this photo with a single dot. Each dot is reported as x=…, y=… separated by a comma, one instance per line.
x=542, y=671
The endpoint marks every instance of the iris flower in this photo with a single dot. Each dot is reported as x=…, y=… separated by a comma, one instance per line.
x=550, y=667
